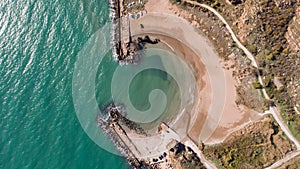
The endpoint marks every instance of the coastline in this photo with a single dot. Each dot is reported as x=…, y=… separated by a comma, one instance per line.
x=193, y=61
x=202, y=77
x=211, y=76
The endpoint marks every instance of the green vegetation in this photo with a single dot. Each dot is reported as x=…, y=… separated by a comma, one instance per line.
x=252, y=49
x=269, y=36
x=263, y=28
x=186, y=157
x=264, y=36
x=256, y=85
x=257, y=146
x=271, y=57
x=292, y=121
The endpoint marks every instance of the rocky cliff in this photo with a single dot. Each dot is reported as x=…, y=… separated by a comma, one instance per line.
x=293, y=39
x=293, y=33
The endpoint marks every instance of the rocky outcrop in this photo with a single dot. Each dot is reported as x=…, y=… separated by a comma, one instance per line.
x=293, y=39
x=293, y=33
x=235, y=2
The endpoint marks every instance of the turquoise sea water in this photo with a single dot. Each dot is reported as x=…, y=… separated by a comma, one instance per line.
x=39, y=44
x=39, y=41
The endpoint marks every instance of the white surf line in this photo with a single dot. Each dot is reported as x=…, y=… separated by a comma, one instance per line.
x=167, y=45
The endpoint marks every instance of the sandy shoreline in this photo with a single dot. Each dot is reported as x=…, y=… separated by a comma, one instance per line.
x=214, y=114
x=233, y=116
x=199, y=112
x=190, y=39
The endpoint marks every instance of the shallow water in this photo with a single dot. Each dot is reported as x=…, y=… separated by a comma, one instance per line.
x=147, y=76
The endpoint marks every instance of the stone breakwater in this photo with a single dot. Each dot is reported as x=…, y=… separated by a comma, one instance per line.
x=115, y=15
x=125, y=49
x=121, y=38
x=118, y=142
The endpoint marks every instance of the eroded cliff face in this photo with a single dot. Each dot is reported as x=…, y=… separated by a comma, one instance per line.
x=293, y=33
x=293, y=39
x=246, y=22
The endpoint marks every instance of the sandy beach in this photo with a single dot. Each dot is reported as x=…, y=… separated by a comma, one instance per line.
x=213, y=79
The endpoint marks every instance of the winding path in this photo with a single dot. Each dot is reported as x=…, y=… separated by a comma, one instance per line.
x=207, y=164
x=165, y=29
x=272, y=110
x=282, y=161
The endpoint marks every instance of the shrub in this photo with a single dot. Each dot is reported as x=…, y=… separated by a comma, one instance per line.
x=256, y=85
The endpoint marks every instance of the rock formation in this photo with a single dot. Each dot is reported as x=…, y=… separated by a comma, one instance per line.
x=293, y=33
